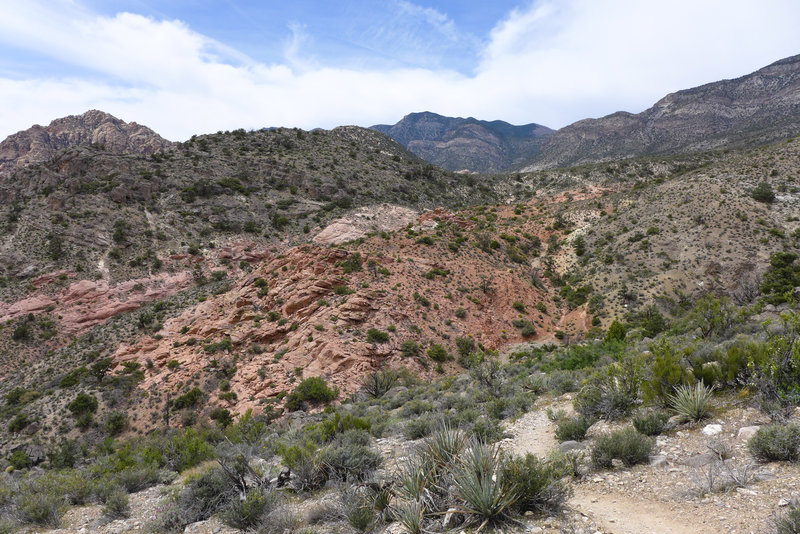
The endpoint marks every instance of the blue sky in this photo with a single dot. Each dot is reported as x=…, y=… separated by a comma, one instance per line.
x=185, y=67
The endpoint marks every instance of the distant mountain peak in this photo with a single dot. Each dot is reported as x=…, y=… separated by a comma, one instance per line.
x=38, y=143
x=456, y=143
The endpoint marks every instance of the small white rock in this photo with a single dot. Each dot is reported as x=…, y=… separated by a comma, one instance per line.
x=712, y=430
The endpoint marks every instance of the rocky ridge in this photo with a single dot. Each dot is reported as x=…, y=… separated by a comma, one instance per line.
x=39, y=144
x=755, y=109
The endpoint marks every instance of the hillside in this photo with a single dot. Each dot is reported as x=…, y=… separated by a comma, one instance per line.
x=755, y=109
x=288, y=330
x=469, y=144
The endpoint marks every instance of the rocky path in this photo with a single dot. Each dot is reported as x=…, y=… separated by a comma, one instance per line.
x=619, y=514
x=663, y=499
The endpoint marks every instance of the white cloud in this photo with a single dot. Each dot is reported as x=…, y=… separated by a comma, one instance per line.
x=550, y=62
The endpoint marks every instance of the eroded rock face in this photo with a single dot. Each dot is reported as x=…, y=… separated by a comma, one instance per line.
x=302, y=315
x=382, y=218
x=86, y=303
x=40, y=143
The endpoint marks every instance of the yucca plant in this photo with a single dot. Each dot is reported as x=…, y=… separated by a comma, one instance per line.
x=443, y=447
x=410, y=514
x=481, y=485
x=412, y=478
x=692, y=403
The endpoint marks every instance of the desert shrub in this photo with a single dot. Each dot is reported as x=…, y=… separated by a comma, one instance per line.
x=616, y=331
x=776, y=368
x=409, y=348
x=137, y=478
x=486, y=490
x=18, y=423
x=352, y=263
x=117, y=505
x=651, y=423
x=788, y=522
x=538, y=484
x=377, y=383
x=188, y=400
x=668, y=371
x=115, y=423
x=626, y=445
x=19, y=460
x=82, y=404
x=763, y=193
x=438, y=353
x=358, y=508
x=782, y=276
x=487, y=430
x=313, y=390
x=612, y=393
x=202, y=497
x=349, y=457
x=465, y=346
x=377, y=336
x=411, y=514
x=43, y=508
x=574, y=428
x=775, y=443
x=222, y=416
x=692, y=403
x=246, y=513
x=561, y=382
x=66, y=454
x=417, y=428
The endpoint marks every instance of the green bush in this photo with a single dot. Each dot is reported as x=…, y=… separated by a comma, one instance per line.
x=776, y=443
x=349, y=457
x=188, y=400
x=246, y=514
x=538, y=484
x=19, y=460
x=626, y=445
x=782, y=276
x=651, y=423
x=574, y=428
x=115, y=423
x=352, y=263
x=763, y=193
x=313, y=390
x=82, y=404
x=117, y=506
x=409, y=348
x=377, y=336
x=438, y=353
x=616, y=331
x=41, y=507
x=789, y=522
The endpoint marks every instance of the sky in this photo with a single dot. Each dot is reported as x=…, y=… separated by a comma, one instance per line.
x=189, y=67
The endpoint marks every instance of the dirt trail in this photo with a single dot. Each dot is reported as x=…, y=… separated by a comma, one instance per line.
x=619, y=514
x=614, y=513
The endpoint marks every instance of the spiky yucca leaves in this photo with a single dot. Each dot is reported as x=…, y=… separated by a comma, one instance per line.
x=410, y=514
x=480, y=483
x=693, y=403
x=443, y=447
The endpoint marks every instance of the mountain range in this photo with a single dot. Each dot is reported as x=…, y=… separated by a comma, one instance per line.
x=467, y=144
x=758, y=108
